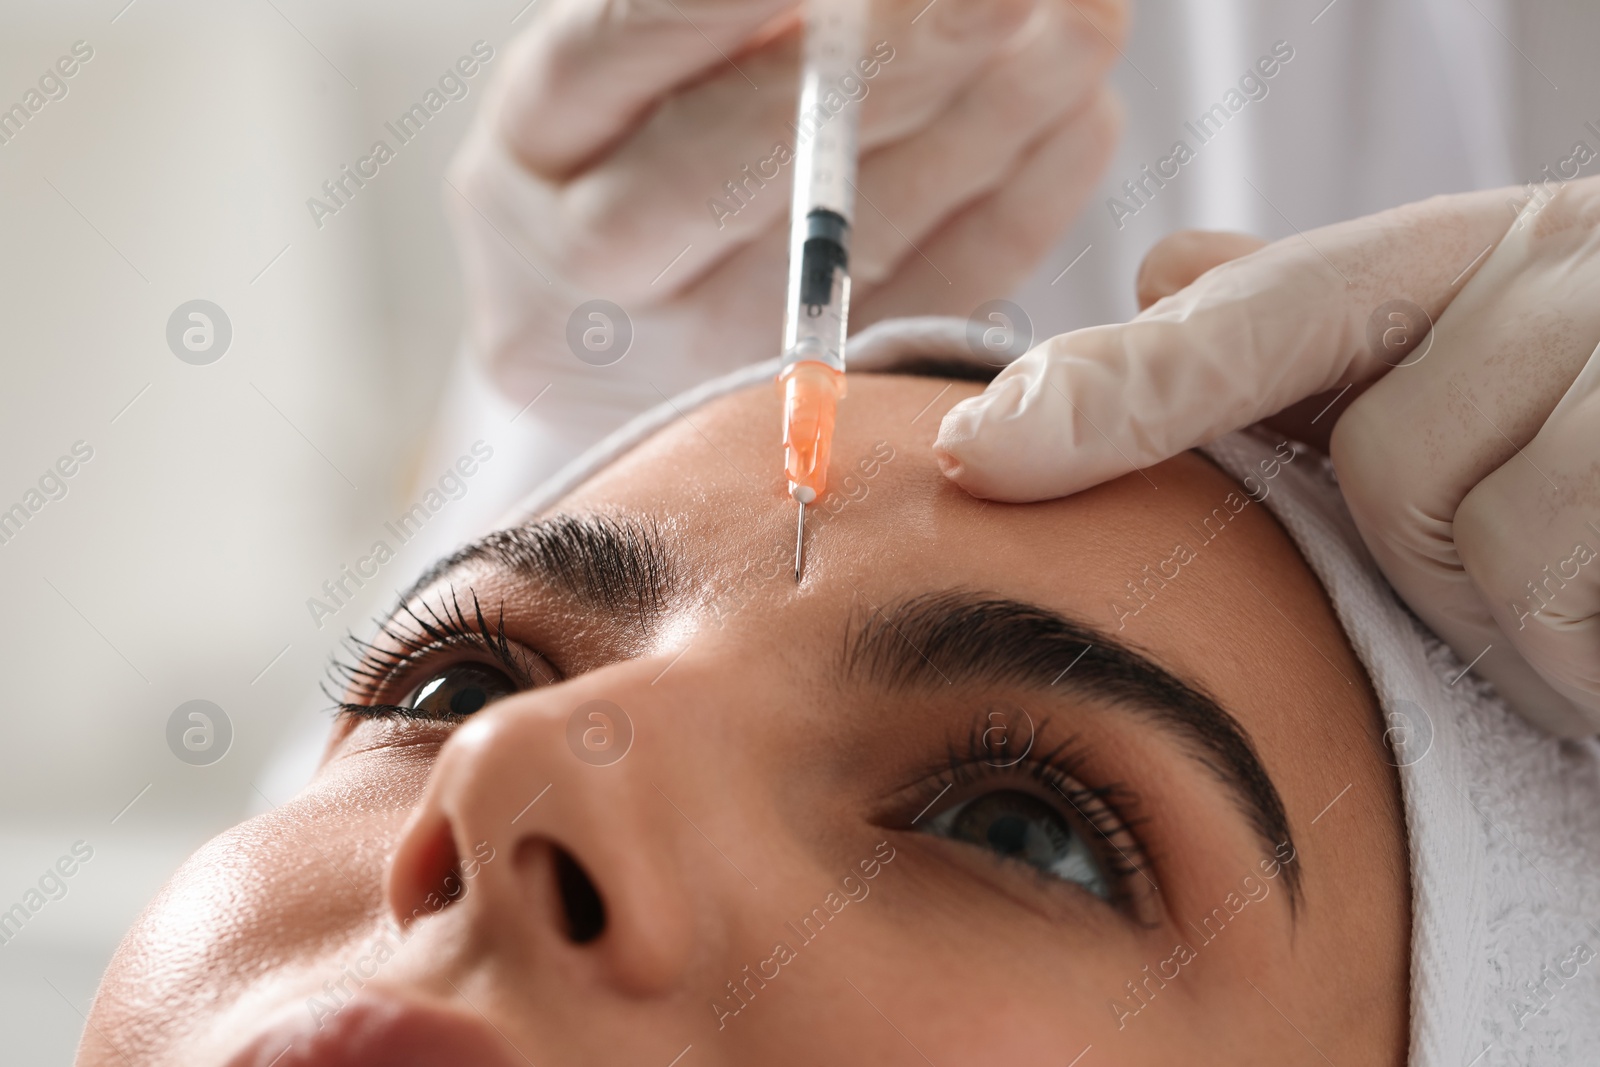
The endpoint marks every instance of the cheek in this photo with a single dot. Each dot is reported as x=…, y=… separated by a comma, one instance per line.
x=272, y=901
x=996, y=986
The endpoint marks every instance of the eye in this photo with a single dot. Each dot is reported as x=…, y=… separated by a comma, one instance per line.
x=1019, y=826
x=483, y=664
x=458, y=691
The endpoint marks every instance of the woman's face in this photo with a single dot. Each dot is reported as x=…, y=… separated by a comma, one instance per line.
x=1096, y=781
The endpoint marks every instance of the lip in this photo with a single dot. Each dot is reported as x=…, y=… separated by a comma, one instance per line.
x=377, y=1030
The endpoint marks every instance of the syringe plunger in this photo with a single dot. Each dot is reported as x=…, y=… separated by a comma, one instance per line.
x=826, y=250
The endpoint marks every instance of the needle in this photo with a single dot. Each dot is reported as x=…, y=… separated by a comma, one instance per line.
x=800, y=542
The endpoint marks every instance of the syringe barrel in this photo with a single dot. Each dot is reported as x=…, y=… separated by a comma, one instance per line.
x=824, y=182
x=831, y=91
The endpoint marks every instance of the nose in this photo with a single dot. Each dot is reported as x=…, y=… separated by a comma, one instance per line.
x=544, y=822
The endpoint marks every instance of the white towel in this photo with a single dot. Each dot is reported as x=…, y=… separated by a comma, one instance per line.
x=1503, y=820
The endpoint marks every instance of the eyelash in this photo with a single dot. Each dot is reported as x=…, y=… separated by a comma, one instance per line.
x=367, y=668
x=1097, y=810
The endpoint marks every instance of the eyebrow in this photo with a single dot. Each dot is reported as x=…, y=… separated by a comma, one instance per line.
x=939, y=639
x=623, y=566
x=617, y=565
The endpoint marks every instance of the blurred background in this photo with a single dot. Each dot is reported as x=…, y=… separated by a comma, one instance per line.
x=219, y=497
x=225, y=486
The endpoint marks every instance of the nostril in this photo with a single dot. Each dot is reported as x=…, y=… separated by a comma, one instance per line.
x=426, y=875
x=585, y=912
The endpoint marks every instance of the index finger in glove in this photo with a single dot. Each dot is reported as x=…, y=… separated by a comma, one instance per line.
x=1246, y=340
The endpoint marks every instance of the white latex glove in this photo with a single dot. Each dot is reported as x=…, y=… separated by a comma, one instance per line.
x=612, y=127
x=1472, y=469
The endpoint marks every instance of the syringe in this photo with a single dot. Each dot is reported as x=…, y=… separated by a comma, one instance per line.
x=819, y=246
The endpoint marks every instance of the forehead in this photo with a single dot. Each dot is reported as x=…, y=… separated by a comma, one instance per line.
x=890, y=524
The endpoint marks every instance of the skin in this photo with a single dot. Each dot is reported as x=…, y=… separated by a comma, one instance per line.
x=756, y=779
